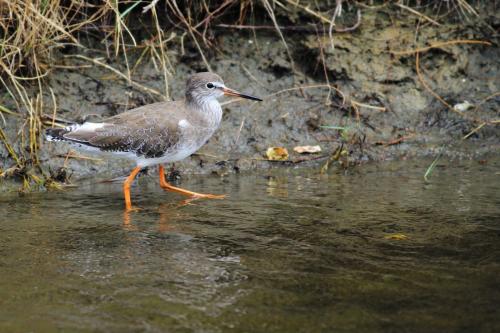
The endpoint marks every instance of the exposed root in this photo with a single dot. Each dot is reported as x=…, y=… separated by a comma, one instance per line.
x=441, y=44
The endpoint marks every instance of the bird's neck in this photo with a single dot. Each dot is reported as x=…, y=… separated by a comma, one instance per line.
x=206, y=112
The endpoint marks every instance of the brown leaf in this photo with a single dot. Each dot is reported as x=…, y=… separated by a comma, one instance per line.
x=307, y=149
x=277, y=154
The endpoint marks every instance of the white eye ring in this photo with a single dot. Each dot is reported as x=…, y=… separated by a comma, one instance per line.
x=210, y=85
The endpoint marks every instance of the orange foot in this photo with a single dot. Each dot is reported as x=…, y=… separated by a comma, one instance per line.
x=208, y=196
x=194, y=195
x=190, y=194
x=132, y=209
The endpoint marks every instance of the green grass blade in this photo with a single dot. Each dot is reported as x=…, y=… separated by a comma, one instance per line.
x=431, y=167
x=129, y=9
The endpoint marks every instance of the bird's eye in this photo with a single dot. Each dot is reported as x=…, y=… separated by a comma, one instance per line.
x=210, y=85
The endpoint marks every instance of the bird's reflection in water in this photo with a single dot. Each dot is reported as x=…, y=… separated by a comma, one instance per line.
x=169, y=212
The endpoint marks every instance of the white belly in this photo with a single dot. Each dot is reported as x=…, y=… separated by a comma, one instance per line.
x=180, y=154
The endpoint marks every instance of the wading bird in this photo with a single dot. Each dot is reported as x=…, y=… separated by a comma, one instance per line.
x=156, y=133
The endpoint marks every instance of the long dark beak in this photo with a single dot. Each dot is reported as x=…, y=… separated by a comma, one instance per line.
x=231, y=92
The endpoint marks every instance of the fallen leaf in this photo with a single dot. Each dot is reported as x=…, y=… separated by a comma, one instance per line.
x=307, y=149
x=277, y=154
x=396, y=237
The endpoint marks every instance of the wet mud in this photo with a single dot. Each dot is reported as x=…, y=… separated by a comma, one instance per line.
x=376, y=97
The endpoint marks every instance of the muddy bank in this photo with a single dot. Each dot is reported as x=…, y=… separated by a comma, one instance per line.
x=359, y=81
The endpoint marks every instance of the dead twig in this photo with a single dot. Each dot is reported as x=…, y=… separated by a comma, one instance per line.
x=396, y=141
x=428, y=88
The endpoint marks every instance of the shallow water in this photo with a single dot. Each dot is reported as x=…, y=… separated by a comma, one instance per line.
x=287, y=251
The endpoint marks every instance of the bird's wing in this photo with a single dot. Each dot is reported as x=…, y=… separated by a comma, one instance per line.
x=150, y=131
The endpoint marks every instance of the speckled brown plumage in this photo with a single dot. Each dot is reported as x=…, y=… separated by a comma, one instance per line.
x=156, y=133
x=149, y=131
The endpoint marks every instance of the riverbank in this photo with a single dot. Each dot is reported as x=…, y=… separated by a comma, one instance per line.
x=392, y=82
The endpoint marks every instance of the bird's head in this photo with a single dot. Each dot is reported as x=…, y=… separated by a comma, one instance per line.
x=202, y=87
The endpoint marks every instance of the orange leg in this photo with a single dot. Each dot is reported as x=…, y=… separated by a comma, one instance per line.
x=166, y=186
x=126, y=188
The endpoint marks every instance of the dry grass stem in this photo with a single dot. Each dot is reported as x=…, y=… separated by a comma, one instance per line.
x=308, y=10
x=270, y=12
x=474, y=131
x=120, y=74
x=32, y=32
x=413, y=11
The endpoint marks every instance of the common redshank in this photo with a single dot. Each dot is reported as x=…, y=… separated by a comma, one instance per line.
x=156, y=133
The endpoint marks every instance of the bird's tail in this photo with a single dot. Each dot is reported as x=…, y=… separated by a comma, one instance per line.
x=55, y=134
